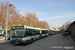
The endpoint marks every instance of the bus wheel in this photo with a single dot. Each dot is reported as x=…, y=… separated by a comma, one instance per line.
x=32, y=40
x=39, y=38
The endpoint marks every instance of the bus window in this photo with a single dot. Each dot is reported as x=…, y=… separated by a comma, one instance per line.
x=0, y=31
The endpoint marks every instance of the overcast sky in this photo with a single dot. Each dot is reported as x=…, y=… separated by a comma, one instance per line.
x=55, y=12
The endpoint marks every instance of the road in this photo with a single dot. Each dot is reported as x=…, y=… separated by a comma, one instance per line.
x=52, y=42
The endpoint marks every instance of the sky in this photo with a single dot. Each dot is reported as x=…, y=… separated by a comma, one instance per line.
x=55, y=12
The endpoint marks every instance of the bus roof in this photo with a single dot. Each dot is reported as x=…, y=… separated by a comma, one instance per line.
x=3, y=29
x=31, y=28
x=44, y=29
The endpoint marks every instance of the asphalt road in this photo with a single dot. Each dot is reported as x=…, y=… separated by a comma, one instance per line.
x=52, y=42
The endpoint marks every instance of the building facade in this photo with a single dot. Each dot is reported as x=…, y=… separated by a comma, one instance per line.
x=29, y=13
x=71, y=28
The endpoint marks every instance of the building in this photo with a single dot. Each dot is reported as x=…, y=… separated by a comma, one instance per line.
x=29, y=13
x=71, y=28
x=29, y=18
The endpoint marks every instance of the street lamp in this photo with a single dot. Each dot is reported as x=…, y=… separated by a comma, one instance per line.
x=7, y=21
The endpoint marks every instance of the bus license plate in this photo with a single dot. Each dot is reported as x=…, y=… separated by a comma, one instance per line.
x=16, y=43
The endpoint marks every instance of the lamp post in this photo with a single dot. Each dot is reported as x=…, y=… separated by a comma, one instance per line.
x=7, y=21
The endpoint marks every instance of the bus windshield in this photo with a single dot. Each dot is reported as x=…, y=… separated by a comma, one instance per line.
x=18, y=34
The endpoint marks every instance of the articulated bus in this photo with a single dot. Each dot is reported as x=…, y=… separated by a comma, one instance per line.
x=24, y=34
x=64, y=32
x=45, y=32
x=51, y=32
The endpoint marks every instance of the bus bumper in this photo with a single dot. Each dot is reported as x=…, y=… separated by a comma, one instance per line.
x=19, y=41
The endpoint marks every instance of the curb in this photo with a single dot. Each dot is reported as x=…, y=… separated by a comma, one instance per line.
x=4, y=43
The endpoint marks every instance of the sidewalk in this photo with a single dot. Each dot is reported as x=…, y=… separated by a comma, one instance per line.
x=3, y=42
x=73, y=37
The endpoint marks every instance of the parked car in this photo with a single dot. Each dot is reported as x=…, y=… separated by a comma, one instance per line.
x=2, y=36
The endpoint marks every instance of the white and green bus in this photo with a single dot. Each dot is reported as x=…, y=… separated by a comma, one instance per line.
x=24, y=34
x=45, y=32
